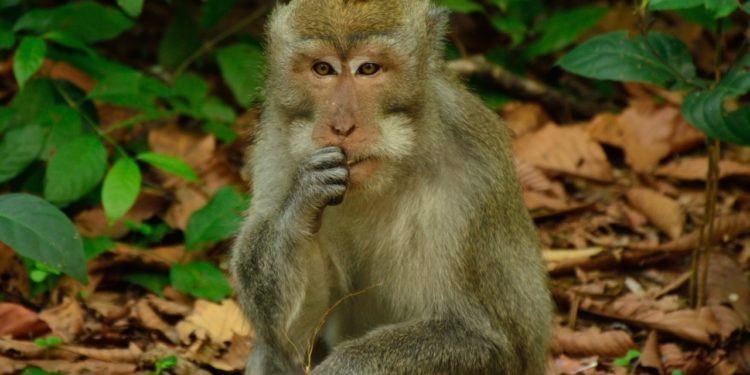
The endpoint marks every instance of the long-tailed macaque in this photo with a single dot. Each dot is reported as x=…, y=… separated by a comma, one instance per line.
x=376, y=171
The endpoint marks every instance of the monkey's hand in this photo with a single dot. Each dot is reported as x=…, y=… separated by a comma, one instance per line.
x=320, y=181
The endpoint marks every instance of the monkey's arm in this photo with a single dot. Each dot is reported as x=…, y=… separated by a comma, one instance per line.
x=279, y=267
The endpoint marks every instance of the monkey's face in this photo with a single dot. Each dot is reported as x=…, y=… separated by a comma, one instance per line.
x=357, y=103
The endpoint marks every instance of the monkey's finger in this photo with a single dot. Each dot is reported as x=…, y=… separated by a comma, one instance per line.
x=327, y=160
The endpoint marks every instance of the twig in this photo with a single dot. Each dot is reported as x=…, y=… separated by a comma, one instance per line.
x=521, y=87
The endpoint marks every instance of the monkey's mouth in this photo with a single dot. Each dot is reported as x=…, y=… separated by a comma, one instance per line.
x=358, y=159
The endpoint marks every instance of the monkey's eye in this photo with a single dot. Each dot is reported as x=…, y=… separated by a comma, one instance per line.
x=368, y=69
x=323, y=69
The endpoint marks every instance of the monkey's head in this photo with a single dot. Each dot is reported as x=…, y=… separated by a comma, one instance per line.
x=353, y=74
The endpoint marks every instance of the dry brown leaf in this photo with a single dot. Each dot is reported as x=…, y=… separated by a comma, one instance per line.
x=68, y=367
x=188, y=199
x=183, y=366
x=130, y=355
x=536, y=201
x=647, y=91
x=196, y=149
x=727, y=319
x=570, y=255
x=168, y=307
x=93, y=222
x=724, y=227
x=652, y=132
x=28, y=349
x=591, y=342
x=16, y=320
x=159, y=257
x=727, y=284
x=605, y=129
x=236, y=357
x=66, y=72
x=65, y=320
x=151, y=320
x=696, y=168
x=650, y=356
x=531, y=177
x=523, y=118
x=564, y=149
x=664, y=212
x=108, y=305
x=672, y=357
x=219, y=322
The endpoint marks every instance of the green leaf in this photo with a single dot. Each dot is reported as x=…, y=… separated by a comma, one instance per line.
x=48, y=342
x=462, y=6
x=7, y=38
x=37, y=96
x=77, y=168
x=215, y=109
x=180, y=40
x=242, y=67
x=28, y=58
x=37, y=371
x=124, y=89
x=38, y=230
x=121, y=188
x=93, y=247
x=212, y=11
x=737, y=81
x=164, y=364
x=86, y=20
x=64, y=124
x=132, y=8
x=154, y=282
x=627, y=359
x=68, y=40
x=563, y=28
x=169, y=164
x=721, y=8
x=660, y=59
x=673, y=4
x=18, y=148
x=222, y=131
x=216, y=221
x=512, y=26
x=191, y=87
x=201, y=280
x=705, y=111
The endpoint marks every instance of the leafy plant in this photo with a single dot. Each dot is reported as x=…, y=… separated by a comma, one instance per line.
x=48, y=342
x=165, y=363
x=37, y=371
x=216, y=221
x=627, y=359
x=201, y=280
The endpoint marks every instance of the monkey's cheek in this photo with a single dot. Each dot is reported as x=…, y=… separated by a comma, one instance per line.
x=361, y=172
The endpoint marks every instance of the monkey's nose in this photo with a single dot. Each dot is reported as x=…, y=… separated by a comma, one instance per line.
x=343, y=128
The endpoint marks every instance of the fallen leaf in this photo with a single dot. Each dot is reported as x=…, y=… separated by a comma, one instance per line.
x=151, y=320
x=188, y=199
x=590, y=342
x=16, y=320
x=92, y=222
x=605, y=129
x=664, y=212
x=108, y=305
x=523, y=118
x=727, y=284
x=564, y=149
x=130, y=355
x=168, y=307
x=650, y=356
x=219, y=321
x=68, y=367
x=66, y=72
x=570, y=255
x=696, y=169
x=236, y=357
x=65, y=320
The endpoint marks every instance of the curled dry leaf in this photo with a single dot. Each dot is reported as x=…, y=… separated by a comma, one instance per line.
x=650, y=356
x=696, y=168
x=188, y=199
x=664, y=212
x=219, y=321
x=591, y=342
x=108, y=305
x=168, y=307
x=129, y=355
x=605, y=129
x=151, y=320
x=28, y=349
x=66, y=72
x=564, y=149
x=182, y=367
x=65, y=320
x=652, y=132
x=159, y=257
x=672, y=357
x=523, y=118
x=724, y=227
x=727, y=284
x=570, y=255
x=68, y=367
x=16, y=320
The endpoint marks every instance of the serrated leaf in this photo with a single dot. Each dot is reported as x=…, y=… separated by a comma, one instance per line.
x=86, y=20
x=121, y=188
x=201, y=280
x=77, y=168
x=660, y=59
x=212, y=11
x=673, y=4
x=38, y=230
x=563, y=28
x=216, y=221
x=242, y=66
x=28, y=58
x=180, y=39
x=18, y=148
x=169, y=164
x=154, y=282
x=132, y=8
x=461, y=6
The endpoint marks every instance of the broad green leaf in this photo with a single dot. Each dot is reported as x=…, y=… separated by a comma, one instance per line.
x=223, y=132
x=673, y=4
x=38, y=230
x=117, y=83
x=216, y=221
x=215, y=109
x=462, y=6
x=95, y=66
x=705, y=111
x=86, y=20
x=212, y=11
x=627, y=359
x=512, y=26
x=164, y=364
x=77, y=168
x=64, y=124
x=121, y=188
x=169, y=164
x=201, y=280
x=180, y=40
x=4, y=4
x=563, y=28
x=68, y=40
x=746, y=7
x=28, y=58
x=133, y=8
x=94, y=246
x=37, y=371
x=661, y=59
x=154, y=282
x=242, y=66
x=37, y=96
x=7, y=38
x=191, y=87
x=737, y=81
x=18, y=148
x=721, y=8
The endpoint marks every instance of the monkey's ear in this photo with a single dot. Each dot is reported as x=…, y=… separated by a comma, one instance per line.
x=437, y=25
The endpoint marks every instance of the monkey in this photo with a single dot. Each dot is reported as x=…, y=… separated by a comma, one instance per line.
x=384, y=200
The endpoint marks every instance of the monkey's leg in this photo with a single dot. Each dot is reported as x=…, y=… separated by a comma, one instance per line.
x=425, y=347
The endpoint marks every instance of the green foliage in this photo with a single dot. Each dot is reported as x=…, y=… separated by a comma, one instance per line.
x=216, y=221
x=18, y=148
x=212, y=11
x=154, y=282
x=463, y=6
x=28, y=58
x=241, y=67
x=87, y=21
x=48, y=342
x=37, y=371
x=92, y=247
x=201, y=280
x=133, y=8
x=180, y=40
x=677, y=372
x=36, y=229
x=627, y=359
x=121, y=188
x=561, y=29
x=87, y=157
x=169, y=164
x=165, y=363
